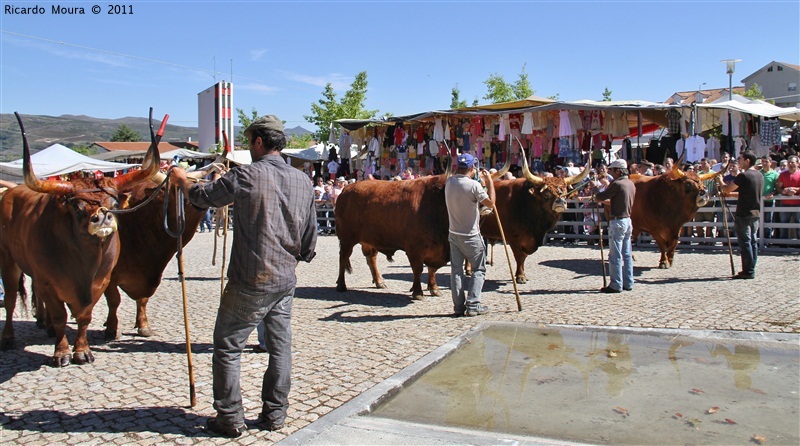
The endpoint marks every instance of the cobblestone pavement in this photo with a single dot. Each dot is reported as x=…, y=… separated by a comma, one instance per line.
x=137, y=391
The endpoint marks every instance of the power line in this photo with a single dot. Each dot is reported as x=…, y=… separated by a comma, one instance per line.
x=213, y=73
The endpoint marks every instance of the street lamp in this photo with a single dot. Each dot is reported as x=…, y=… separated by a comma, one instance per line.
x=731, y=67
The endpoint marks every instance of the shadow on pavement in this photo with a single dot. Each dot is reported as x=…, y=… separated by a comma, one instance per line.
x=370, y=296
x=172, y=420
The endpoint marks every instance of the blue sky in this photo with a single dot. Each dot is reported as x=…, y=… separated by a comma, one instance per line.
x=280, y=55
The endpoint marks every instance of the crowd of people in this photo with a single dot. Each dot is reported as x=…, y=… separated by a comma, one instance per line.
x=329, y=180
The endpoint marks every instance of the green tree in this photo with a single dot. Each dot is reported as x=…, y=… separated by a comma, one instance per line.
x=498, y=89
x=125, y=134
x=501, y=91
x=245, y=122
x=300, y=141
x=522, y=87
x=754, y=92
x=455, y=101
x=606, y=95
x=328, y=108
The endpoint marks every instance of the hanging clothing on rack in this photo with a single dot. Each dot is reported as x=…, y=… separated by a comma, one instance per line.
x=564, y=127
x=527, y=123
x=674, y=121
x=438, y=131
x=713, y=148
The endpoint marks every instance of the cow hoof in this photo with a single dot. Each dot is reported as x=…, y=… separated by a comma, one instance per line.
x=111, y=335
x=521, y=280
x=84, y=357
x=663, y=265
x=341, y=288
x=418, y=297
x=60, y=361
x=7, y=344
x=381, y=285
x=145, y=332
x=436, y=293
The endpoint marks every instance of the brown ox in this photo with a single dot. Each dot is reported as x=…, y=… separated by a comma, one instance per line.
x=663, y=204
x=528, y=207
x=63, y=234
x=145, y=249
x=391, y=216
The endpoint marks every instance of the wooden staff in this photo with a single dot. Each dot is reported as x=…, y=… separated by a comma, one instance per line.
x=508, y=257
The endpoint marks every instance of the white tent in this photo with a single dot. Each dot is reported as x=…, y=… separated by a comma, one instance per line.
x=58, y=160
x=317, y=152
x=715, y=111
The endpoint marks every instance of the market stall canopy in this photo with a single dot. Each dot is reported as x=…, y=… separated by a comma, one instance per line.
x=240, y=157
x=187, y=154
x=317, y=152
x=58, y=160
x=755, y=107
x=530, y=101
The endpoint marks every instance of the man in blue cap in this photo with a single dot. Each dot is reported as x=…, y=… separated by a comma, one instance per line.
x=462, y=196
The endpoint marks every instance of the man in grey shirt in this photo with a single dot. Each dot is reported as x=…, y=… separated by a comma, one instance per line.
x=274, y=228
x=620, y=259
x=462, y=195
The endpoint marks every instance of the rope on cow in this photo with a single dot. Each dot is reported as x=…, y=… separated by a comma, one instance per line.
x=144, y=203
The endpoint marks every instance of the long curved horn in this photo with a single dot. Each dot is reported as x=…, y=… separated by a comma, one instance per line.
x=151, y=160
x=710, y=176
x=449, y=164
x=676, y=173
x=527, y=172
x=507, y=165
x=54, y=187
x=579, y=177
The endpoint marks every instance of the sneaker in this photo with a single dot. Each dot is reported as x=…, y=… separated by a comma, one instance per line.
x=743, y=276
x=627, y=289
x=259, y=349
x=477, y=311
x=266, y=425
x=218, y=428
x=608, y=289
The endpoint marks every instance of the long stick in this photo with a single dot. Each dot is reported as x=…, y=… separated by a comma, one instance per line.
x=600, y=231
x=180, y=217
x=725, y=212
x=508, y=257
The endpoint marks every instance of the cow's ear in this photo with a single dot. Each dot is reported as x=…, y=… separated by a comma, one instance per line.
x=123, y=200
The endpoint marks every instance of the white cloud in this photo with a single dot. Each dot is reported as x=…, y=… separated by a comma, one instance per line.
x=257, y=54
x=339, y=82
x=258, y=88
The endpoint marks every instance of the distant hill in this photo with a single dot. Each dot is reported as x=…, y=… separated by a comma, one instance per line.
x=80, y=130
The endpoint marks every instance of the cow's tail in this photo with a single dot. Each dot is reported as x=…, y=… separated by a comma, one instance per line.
x=348, y=267
x=23, y=294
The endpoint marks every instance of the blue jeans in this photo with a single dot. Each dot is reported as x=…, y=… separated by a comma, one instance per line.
x=787, y=217
x=472, y=249
x=240, y=311
x=747, y=234
x=205, y=223
x=620, y=261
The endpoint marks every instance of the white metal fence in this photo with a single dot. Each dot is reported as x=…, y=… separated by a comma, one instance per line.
x=773, y=236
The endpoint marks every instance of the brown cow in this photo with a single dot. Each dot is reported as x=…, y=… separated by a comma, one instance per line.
x=391, y=216
x=146, y=249
x=664, y=203
x=63, y=234
x=528, y=207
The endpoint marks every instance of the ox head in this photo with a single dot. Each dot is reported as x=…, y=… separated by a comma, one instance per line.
x=689, y=184
x=91, y=202
x=552, y=188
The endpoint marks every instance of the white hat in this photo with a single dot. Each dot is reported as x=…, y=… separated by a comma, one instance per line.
x=619, y=164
